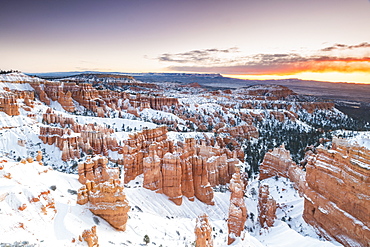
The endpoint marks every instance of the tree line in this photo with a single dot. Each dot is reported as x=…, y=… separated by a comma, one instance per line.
x=9, y=71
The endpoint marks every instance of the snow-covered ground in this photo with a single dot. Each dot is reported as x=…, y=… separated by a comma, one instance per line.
x=151, y=214
x=362, y=138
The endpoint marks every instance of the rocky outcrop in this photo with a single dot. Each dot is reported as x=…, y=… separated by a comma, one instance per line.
x=106, y=200
x=91, y=139
x=154, y=102
x=270, y=92
x=96, y=170
x=202, y=188
x=40, y=93
x=278, y=162
x=49, y=117
x=84, y=94
x=152, y=171
x=54, y=92
x=65, y=100
x=90, y=237
x=8, y=104
x=238, y=209
x=179, y=169
x=203, y=232
x=310, y=107
x=171, y=171
x=335, y=187
x=103, y=191
x=266, y=207
x=338, y=188
x=241, y=131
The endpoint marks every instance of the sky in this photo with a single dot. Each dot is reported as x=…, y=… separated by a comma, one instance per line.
x=252, y=39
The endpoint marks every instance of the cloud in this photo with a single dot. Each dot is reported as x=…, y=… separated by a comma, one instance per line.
x=197, y=56
x=210, y=61
x=346, y=47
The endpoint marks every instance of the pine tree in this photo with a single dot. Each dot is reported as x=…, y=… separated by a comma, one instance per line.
x=146, y=239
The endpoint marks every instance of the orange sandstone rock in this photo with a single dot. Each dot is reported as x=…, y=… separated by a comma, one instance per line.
x=202, y=188
x=152, y=171
x=266, y=207
x=39, y=156
x=106, y=200
x=238, y=209
x=338, y=183
x=203, y=232
x=171, y=171
x=8, y=104
x=278, y=162
x=95, y=169
x=90, y=237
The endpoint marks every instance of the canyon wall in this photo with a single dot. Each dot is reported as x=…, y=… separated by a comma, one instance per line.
x=336, y=188
x=278, y=162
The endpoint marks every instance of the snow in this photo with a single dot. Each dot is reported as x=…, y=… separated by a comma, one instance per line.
x=15, y=86
x=277, y=236
x=151, y=114
x=56, y=106
x=289, y=220
x=151, y=213
x=181, y=136
x=114, y=122
x=362, y=138
x=14, y=77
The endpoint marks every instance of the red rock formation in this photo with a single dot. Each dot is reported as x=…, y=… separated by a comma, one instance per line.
x=310, y=107
x=279, y=163
x=187, y=169
x=103, y=191
x=171, y=172
x=266, y=207
x=154, y=102
x=49, y=117
x=95, y=169
x=271, y=92
x=187, y=181
x=220, y=169
x=152, y=171
x=92, y=139
x=241, y=131
x=202, y=188
x=8, y=104
x=90, y=237
x=203, y=232
x=106, y=200
x=65, y=100
x=338, y=183
x=237, y=210
x=39, y=156
x=84, y=94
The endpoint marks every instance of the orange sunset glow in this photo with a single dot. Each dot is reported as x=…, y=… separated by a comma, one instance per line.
x=360, y=78
x=352, y=71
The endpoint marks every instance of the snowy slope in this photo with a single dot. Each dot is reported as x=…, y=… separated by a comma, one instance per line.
x=151, y=213
x=16, y=76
